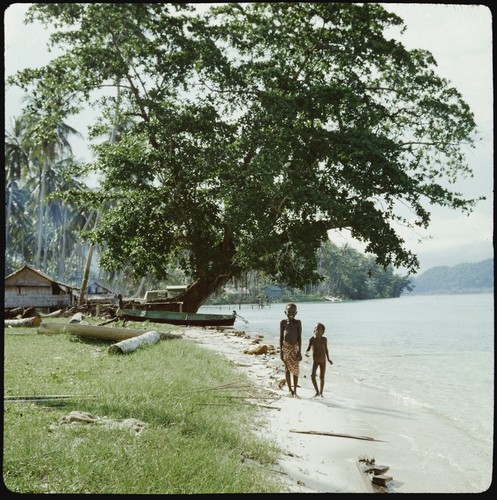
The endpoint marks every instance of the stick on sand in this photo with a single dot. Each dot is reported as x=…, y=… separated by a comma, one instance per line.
x=336, y=434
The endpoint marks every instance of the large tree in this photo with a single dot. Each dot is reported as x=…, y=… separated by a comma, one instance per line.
x=253, y=129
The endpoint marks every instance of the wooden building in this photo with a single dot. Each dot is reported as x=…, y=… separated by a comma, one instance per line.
x=97, y=292
x=273, y=292
x=95, y=288
x=30, y=287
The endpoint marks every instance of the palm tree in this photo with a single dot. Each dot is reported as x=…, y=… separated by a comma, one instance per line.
x=16, y=159
x=50, y=143
x=62, y=218
x=21, y=233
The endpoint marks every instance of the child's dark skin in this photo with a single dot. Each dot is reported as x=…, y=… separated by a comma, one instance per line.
x=320, y=354
x=290, y=346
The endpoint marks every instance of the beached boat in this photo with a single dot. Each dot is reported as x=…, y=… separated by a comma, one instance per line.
x=157, y=300
x=330, y=298
x=177, y=318
x=91, y=331
x=153, y=306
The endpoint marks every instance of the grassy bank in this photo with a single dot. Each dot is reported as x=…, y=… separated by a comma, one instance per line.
x=199, y=434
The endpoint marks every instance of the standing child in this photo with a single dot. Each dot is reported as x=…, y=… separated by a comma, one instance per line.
x=320, y=353
x=291, y=346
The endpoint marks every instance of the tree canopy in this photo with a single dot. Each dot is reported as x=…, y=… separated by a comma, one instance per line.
x=248, y=131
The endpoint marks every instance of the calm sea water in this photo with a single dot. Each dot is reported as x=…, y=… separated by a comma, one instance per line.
x=434, y=354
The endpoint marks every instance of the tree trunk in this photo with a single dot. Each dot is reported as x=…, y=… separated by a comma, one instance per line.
x=41, y=212
x=77, y=246
x=62, y=261
x=140, y=288
x=45, y=236
x=7, y=218
x=130, y=345
x=35, y=321
x=197, y=293
x=86, y=274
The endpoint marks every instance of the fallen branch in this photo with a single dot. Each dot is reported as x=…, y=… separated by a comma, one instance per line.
x=239, y=404
x=269, y=407
x=61, y=396
x=336, y=434
x=218, y=404
x=247, y=397
x=107, y=322
x=232, y=385
x=54, y=314
x=41, y=398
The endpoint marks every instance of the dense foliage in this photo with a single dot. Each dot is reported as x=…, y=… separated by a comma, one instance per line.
x=347, y=274
x=247, y=132
x=40, y=228
x=351, y=275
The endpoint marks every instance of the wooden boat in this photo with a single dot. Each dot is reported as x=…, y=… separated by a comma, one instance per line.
x=330, y=298
x=154, y=306
x=91, y=331
x=177, y=318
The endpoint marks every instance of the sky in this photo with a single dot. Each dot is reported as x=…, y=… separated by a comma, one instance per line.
x=459, y=37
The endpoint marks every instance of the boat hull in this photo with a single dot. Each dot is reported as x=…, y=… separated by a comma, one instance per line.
x=91, y=331
x=154, y=306
x=177, y=318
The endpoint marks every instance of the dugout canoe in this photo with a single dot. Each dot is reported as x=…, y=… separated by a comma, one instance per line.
x=177, y=318
x=91, y=331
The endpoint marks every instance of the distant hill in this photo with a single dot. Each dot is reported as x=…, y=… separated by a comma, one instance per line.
x=477, y=277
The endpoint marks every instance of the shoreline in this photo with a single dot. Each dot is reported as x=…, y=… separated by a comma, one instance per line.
x=324, y=439
x=313, y=460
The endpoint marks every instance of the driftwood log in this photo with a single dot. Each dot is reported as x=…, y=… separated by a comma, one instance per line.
x=21, y=312
x=12, y=313
x=77, y=318
x=132, y=344
x=34, y=321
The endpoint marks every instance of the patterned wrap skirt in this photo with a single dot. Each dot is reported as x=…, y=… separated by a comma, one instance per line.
x=291, y=357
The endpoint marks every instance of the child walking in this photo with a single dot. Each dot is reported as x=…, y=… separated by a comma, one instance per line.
x=319, y=345
x=291, y=346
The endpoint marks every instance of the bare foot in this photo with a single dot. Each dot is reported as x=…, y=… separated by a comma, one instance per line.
x=316, y=395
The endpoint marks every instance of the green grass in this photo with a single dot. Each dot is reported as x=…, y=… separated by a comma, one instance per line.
x=198, y=438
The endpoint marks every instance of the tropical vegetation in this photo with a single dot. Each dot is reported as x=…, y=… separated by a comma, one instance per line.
x=232, y=139
x=347, y=275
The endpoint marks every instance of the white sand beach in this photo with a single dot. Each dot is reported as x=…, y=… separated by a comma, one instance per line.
x=368, y=426
x=351, y=422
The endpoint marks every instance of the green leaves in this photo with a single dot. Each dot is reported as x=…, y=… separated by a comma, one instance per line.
x=245, y=134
